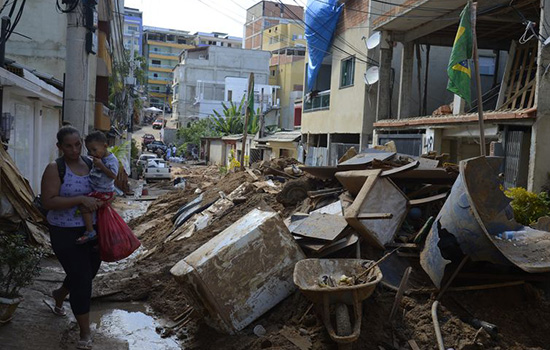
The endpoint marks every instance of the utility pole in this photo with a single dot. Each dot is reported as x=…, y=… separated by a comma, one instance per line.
x=249, y=103
x=80, y=80
x=262, y=120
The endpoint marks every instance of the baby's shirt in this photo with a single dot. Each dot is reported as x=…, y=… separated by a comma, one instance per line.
x=99, y=180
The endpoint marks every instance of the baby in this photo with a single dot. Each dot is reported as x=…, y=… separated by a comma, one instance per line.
x=102, y=178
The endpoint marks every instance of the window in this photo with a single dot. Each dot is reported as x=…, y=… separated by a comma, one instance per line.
x=155, y=62
x=228, y=44
x=229, y=95
x=273, y=72
x=487, y=65
x=155, y=75
x=294, y=37
x=347, y=72
x=133, y=29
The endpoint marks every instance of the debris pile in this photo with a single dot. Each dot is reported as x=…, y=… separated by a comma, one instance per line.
x=18, y=213
x=224, y=248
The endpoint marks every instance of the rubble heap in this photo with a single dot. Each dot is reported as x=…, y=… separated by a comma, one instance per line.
x=372, y=205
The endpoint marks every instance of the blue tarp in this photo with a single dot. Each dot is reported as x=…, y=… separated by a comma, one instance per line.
x=321, y=18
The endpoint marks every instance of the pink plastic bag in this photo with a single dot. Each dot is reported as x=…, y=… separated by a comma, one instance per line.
x=116, y=239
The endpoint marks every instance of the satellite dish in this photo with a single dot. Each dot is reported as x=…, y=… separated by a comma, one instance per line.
x=374, y=40
x=372, y=75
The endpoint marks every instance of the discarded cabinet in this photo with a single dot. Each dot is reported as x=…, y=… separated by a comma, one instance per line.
x=241, y=273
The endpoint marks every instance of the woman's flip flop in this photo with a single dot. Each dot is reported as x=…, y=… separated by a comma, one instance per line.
x=58, y=311
x=84, y=344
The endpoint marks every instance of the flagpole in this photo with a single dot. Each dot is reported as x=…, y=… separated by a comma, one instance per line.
x=478, y=84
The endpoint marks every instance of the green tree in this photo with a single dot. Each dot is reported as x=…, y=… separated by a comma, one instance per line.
x=232, y=119
x=192, y=135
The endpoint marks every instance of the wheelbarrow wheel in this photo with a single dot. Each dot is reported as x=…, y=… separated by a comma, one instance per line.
x=343, y=324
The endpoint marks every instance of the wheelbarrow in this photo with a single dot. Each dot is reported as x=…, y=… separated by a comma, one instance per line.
x=308, y=277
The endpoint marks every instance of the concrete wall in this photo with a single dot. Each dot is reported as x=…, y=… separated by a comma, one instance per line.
x=47, y=28
x=291, y=148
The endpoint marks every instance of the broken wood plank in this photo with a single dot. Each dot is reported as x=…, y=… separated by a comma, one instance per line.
x=421, y=236
x=413, y=345
x=405, y=167
x=302, y=342
x=322, y=226
x=281, y=173
x=373, y=216
x=426, y=200
x=399, y=296
x=403, y=245
x=251, y=173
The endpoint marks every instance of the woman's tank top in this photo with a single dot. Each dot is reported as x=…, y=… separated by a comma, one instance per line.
x=73, y=185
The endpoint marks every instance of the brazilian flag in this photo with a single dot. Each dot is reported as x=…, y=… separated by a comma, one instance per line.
x=459, y=70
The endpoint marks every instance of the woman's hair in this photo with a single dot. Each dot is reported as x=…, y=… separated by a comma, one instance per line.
x=96, y=136
x=64, y=131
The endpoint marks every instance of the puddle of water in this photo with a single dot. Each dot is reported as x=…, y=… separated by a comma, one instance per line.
x=129, y=322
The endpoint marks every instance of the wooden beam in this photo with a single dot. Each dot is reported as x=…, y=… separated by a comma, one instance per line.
x=434, y=25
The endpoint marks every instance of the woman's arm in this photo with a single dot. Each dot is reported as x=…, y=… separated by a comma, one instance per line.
x=51, y=199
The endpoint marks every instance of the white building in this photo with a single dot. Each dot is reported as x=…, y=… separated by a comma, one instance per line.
x=208, y=76
x=30, y=119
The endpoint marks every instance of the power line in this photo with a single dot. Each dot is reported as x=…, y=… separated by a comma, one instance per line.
x=328, y=41
x=341, y=38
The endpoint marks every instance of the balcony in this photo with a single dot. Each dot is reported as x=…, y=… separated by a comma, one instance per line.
x=155, y=80
x=319, y=102
x=161, y=66
x=102, y=121
x=163, y=53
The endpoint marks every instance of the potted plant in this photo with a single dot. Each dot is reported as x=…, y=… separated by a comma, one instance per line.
x=19, y=264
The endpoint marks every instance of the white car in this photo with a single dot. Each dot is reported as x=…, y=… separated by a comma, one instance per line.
x=157, y=169
x=144, y=158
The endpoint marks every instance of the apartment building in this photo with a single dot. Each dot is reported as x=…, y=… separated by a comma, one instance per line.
x=216, y=39
x=287, y=45
x=208, y=76
x=162, y=48
x=266, y=14
x=133, y=30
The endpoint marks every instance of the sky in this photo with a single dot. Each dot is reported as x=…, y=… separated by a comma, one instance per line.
x=226, y=16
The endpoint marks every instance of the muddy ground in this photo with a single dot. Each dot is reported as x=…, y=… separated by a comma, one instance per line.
x=520, y=312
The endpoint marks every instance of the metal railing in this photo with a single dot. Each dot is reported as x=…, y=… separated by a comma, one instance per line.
x=319, y=102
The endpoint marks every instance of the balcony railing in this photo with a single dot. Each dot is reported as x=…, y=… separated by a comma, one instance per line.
x=164, y=53
x=319, y=102
x=160, y=78
x=161, y=66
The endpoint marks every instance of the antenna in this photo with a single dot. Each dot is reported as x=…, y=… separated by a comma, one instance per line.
x=372, y=75
x=374, y=40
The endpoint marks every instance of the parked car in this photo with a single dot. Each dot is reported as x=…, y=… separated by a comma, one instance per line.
x=159, y=123
x=155, y=145
x=144, y=158
x=157, y=169
x=147, y=139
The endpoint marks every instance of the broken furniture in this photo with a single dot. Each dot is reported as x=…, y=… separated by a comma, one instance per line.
x=308, y=274
x=475, y=213
x=242, y=272
x=379, y=207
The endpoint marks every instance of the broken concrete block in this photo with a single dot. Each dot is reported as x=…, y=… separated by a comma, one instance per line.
x=241, y=273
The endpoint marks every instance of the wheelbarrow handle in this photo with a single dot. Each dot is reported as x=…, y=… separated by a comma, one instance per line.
x=357, y=326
